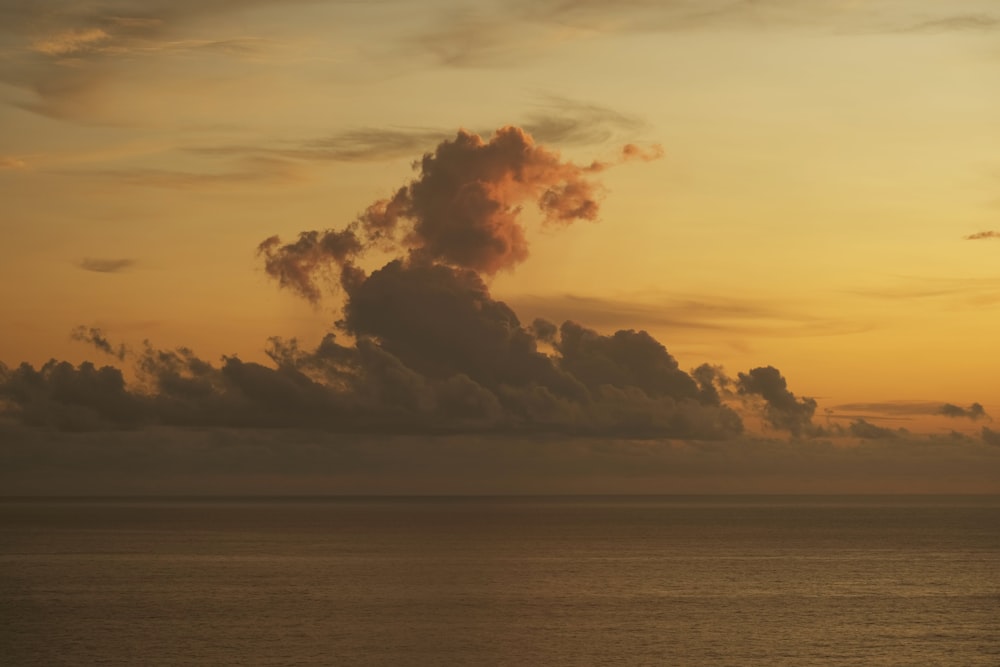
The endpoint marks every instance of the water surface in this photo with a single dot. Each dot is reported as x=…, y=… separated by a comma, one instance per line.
x=501, y=581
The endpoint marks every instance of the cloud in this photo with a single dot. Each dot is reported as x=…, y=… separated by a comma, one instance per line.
x=7, y=162
x=865, y=430
x=568, y=122
x=967, y=292
x=974, y=411
x=357, y=145
x=252, y=171
x=71, y=42
x=368, y=388
x=105, y=265
x=781, y=408
x=71, y=398
x=463, y=209
x=188, y=461
x=979, y=236
x=677, y=15
x=559, y=121
x=95, y=337
x=991, y=437
x=296, y=265
x=684, y=312
x=499, y=34
x=366, y=144
x=422, y=347
x=484, y=37
x=63, y=56
x=957, y=23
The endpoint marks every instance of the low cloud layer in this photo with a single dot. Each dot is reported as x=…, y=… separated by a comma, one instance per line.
x=163, y=461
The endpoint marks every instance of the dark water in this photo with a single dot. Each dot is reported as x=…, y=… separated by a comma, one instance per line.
x=519, y=581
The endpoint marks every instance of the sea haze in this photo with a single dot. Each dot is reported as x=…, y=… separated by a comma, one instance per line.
x=667, y=580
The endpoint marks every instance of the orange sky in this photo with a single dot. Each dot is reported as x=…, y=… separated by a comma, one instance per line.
x=824, y=165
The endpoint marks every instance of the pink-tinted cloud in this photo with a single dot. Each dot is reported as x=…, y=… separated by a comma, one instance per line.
x=464, y=209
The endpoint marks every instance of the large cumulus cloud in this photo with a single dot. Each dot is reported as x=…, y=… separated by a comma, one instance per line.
x=422, y=346
x=464, y=209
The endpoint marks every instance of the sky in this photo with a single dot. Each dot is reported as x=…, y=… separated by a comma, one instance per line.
x=499, y=247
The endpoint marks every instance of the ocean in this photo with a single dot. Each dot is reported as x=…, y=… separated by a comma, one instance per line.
x=676, y=581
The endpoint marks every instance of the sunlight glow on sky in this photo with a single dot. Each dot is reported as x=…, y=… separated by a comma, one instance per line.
x=824, y=164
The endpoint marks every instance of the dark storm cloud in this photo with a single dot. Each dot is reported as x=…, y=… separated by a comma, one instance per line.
x=979, y=236
x=781, y=408
x=104, y=265
x=990, y=437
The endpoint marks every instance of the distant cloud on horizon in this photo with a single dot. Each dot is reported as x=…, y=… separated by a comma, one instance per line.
x=979, y=236
x=105, y=265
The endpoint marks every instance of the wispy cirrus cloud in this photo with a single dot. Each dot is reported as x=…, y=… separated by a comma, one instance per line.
x=973, y=291
x=498, y=34
x=72, y=42
x=956, y=23
x=63, y=58
x=554, y=120
x=250, y=172
x=687, y=312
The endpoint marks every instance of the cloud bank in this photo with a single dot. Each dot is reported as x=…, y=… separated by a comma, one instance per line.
x=422, y=346
x=166, y=461
x=426, y=370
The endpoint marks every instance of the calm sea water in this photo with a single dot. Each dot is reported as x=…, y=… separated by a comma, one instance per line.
x=502, y=581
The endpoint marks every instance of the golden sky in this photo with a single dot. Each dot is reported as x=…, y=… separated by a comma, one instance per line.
x=827, y=201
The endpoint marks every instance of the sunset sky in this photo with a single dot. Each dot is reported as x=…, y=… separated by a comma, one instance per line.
x=808, y=186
